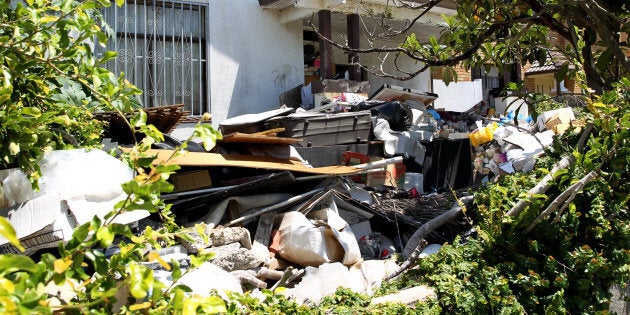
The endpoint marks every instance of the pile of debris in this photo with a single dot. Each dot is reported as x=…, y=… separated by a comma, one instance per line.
x=502, y=147
x=309, y=199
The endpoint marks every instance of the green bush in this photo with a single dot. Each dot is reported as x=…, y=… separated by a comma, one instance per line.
x=50, y=80
x=568, y=261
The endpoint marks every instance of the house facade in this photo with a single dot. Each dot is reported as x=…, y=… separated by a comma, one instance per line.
x=231, y=58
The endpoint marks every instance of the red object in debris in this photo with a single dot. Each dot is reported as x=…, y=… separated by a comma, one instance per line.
x=385, y=253
x=274, y=247
x=413, y=192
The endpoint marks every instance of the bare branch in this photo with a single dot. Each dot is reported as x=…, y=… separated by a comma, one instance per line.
x=605, y=34
x=426, y=8
x=564, y=198
x=428, y=62
x=543, y=185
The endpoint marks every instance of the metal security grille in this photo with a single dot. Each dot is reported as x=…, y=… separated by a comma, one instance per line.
x=161, y=49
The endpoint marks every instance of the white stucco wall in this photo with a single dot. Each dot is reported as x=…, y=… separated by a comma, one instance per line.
x=252, y=58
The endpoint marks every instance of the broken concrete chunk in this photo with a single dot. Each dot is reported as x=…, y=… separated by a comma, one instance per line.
x=229, y=235
x=407, y=296
x=193, y=242
x=216, y=237
x=262, y=237
x=232, y=257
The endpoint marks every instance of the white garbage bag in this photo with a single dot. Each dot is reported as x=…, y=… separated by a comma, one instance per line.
x=328, y=238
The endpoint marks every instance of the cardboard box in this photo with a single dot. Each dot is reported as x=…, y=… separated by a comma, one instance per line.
x=354, y=158
x=559, y=123
x=392, y=175
x=191, y=180
x=563, y=114
x=389, y=93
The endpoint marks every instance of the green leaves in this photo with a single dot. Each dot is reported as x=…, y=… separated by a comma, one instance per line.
x=105, y=235
x=449, y=75
x=40, y=79
x=207, y=134
x=6, y=89
x=12, y=263
x=7, y=231
x=50, y=82
x=140, y=280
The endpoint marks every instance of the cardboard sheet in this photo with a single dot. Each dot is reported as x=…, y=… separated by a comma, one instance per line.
x=39, y=223
x=249, y=161
x=389, y=92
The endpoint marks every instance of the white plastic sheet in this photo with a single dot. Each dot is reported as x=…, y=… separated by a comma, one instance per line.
x=92, y=175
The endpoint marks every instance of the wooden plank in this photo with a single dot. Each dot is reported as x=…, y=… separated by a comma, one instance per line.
x=238, y=137
x=248, y=161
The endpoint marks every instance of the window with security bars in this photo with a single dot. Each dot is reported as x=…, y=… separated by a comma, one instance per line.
x=161, y=49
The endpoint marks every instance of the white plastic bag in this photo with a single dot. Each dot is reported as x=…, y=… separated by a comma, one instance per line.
x=14, y=187
x=312, y=244
x=93, y=175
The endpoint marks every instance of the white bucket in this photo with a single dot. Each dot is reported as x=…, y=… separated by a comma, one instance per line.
x=414, y=180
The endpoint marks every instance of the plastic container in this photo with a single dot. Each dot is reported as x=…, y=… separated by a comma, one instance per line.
x=414, y=180
x=482, y=135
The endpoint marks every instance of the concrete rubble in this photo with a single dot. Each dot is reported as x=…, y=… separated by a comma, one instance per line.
x=306, y=198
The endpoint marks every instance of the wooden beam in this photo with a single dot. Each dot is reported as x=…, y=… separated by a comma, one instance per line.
x=354, y=41
x=325, y=48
